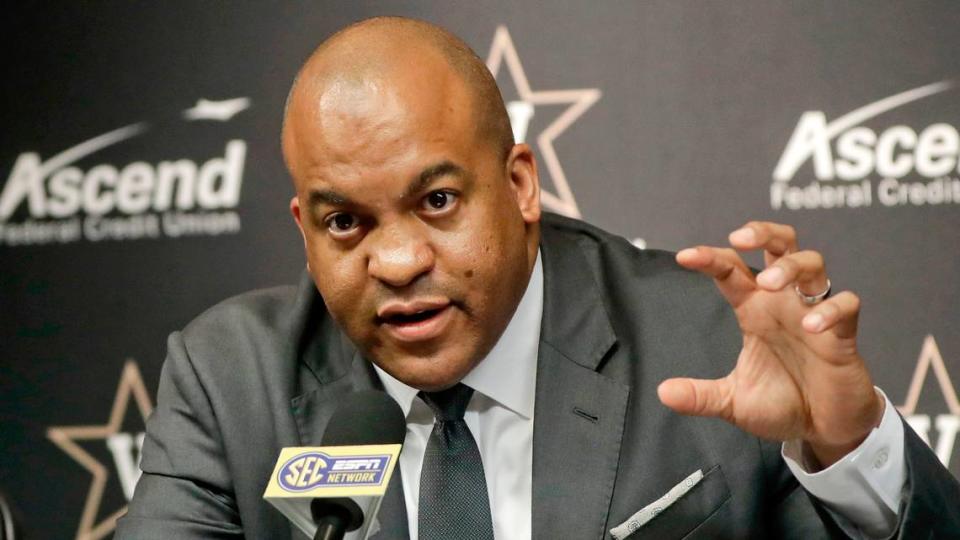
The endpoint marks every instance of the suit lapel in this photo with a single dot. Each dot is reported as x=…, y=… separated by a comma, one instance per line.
x=579, y=413
x=313, y=411
x=280, y=376
x=329, y=368
x=279, y=380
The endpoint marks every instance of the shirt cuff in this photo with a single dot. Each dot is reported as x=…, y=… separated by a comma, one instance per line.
x=865, y=487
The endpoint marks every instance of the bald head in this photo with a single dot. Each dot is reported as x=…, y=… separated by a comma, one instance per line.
x=379, y=65
x=410, y=192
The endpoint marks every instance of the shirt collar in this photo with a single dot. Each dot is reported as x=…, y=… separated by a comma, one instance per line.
x=508, y=373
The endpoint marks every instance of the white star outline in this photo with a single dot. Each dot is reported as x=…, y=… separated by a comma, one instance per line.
x=930, y=356
x=947, y=425
x=502, y=49
x=66, y=437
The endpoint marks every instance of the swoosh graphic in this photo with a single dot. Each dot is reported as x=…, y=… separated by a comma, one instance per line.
x=857, y=116
x=90, y=146
x=221, y=111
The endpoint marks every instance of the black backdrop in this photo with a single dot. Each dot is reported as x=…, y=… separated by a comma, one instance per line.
x=661, y=121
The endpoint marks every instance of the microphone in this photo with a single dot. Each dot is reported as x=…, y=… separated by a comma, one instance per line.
x=364, y=418
x=333, y=492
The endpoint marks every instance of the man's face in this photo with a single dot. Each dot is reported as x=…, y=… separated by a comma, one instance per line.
x=419, y=236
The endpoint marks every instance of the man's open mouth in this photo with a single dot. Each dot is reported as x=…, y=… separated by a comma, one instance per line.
x=412, y=318
x=416, y=321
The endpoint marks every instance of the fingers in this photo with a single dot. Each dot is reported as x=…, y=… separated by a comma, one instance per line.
x=733, y=277
x=698, y=397
x=839, y=314
x=774, y=239
x=785, y=264
x=805, y=268
x=718, y=263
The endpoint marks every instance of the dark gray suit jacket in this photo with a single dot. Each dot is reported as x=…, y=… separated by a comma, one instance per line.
x=266, y=370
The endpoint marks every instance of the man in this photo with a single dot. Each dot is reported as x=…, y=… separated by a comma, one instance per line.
x=433, y=276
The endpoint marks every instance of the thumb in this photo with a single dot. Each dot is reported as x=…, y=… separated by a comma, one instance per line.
x=698, y=397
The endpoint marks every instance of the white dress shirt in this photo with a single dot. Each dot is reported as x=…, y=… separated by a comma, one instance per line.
x=862, y=490
x=500, y=417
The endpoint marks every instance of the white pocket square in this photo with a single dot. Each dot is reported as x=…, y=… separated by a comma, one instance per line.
x=651, y=510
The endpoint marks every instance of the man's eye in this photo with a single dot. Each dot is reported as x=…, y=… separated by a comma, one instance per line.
x=439, y=200
x=342, y=223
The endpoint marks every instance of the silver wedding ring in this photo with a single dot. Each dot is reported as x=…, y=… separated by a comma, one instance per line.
x=816, y=298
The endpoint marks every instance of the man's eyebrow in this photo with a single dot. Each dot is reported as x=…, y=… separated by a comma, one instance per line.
x=422, y=180
x=431, y=173
x=328, y=196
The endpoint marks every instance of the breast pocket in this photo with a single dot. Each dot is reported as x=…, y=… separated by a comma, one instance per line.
x=690, y=511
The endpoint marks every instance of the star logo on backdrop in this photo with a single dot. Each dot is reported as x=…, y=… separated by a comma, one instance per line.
x=503, y=51
x=947, y=426
x=66, y=437
x=930, y=357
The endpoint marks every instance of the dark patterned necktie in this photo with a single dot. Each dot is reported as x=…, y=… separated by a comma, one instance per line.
x=453, y=491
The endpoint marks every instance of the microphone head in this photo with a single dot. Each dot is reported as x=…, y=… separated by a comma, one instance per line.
x=366, y=417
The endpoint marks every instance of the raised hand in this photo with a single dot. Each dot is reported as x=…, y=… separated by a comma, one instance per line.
x=799, y=375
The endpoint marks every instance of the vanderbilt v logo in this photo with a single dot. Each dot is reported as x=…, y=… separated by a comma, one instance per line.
x=522, y=111
x=946, y=425
x=125, y=448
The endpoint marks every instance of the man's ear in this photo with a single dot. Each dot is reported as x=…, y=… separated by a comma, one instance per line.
x=295, y=210
x=525, y=181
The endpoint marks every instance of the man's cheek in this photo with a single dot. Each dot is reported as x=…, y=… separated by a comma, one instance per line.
x=465, y=250
x=340, y=297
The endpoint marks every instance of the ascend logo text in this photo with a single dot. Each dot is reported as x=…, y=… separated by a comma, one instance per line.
x=855, y=166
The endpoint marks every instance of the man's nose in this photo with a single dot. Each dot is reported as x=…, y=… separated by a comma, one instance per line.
x=400, y=255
